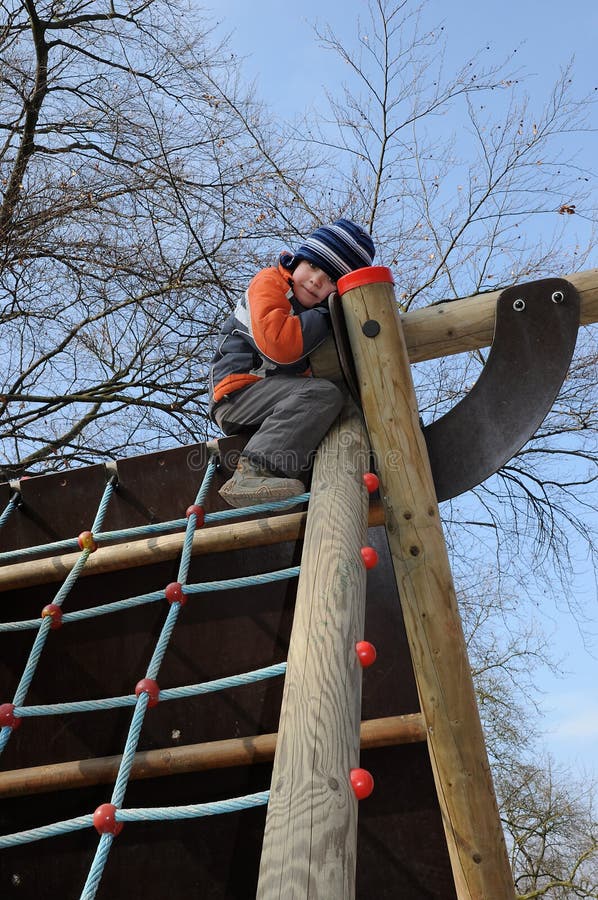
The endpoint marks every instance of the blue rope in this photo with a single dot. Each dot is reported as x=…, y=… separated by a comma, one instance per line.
x=275, y=506
x=186, y=552
x=162, y=642
x=45, y=623
x=9, y=509
x=183, y=569
x=180, y=693
x=57, y=546
x=79, y=615
x=27, y=675
x=34, y=655
x=155, y=528
x=149, y=814
x=45, y=831
x=97, y=867
x=207, y=481
x=141, y=599
x=126, y=762
x=141, y=702
x=150, y=530
x=194, y=811
x=190, y=532
x=103, y=506
x=10, y=556
x=243, y=581
x=127, y=759
x=71, y=578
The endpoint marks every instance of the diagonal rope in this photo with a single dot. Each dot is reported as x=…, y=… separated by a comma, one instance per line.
x=40, y=639
x=9, y=508
x=142, y=701
x=126, y=763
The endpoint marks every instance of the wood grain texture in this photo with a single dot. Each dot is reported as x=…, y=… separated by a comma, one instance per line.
x=146, y=552
x=311, y=827
x=455, y=740
x=246, y=751
x=467, y=324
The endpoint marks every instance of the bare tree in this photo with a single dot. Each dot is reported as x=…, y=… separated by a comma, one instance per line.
x=552, y=832
x=143, y=184
x=449, y=213
x=454, y=215
x=452, y=225
x=547, y=813
x=136, y=191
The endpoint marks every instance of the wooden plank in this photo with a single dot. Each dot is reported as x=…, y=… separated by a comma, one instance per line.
x=455, y=740
x=150, y=551
x=468, y=324
x=311, y=826
x=389, y=731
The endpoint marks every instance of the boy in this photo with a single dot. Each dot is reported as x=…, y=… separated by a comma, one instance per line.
x=260, y=378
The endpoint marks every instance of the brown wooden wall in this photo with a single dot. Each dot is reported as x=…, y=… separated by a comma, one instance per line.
x=401, y=846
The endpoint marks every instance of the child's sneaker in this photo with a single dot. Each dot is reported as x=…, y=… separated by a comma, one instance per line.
x=253, y=484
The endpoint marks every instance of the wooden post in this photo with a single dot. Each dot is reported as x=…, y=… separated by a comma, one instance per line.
x=455, y=740
x=311, y=826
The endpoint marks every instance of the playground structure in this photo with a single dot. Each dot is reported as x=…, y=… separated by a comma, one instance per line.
x=430, y=828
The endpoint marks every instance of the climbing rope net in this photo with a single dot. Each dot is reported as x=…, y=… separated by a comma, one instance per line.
x=109, y=818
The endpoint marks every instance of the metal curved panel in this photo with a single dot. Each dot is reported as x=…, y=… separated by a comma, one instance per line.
x=534, y=339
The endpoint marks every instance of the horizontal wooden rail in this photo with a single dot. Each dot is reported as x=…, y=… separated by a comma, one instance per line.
x=386, y=732
x=468, y=323
x=147, y=552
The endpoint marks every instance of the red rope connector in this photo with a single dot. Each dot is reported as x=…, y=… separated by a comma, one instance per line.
x=86, y=541
x=199, y=513
x=55, y=614
x=7, y=716
x=149, y=687
x=104, y=820
x=174, y=593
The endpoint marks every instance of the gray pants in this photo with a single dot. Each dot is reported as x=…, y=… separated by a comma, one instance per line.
x=291, y=414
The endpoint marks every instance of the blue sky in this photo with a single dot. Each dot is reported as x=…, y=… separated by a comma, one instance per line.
x=292, y=72
x=292, y=69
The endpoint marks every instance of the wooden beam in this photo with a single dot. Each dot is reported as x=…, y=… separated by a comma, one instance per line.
x=468, y=324
x=458, y=755
x=310, y=837
x=116, y=557
x=386, y=732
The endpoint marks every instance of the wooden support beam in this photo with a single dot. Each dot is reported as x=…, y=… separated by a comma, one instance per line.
x=455, y=740
x=387, y=732
x=310, y=837
x=147, y=552
x=468, y=324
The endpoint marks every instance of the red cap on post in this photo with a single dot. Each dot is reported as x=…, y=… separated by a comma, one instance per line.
x=367, y=275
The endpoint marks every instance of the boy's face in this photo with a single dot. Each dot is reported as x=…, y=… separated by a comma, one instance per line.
x=311, y=285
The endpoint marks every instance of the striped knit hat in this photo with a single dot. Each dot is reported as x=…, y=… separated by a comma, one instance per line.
x=338, y=249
